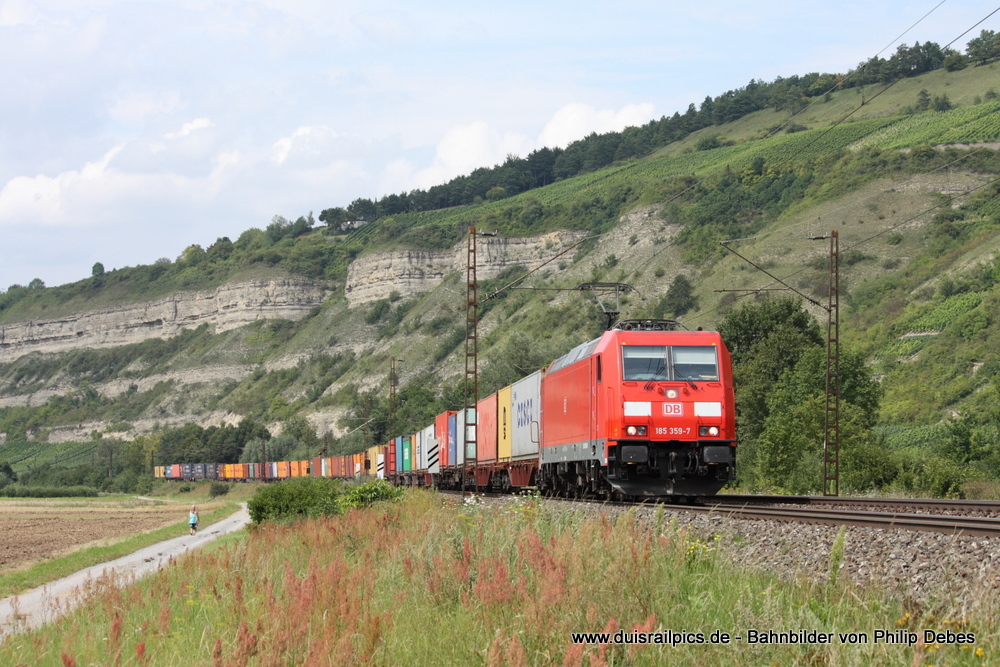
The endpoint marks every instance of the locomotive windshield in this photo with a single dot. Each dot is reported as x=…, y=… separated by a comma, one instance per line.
x=662, y=363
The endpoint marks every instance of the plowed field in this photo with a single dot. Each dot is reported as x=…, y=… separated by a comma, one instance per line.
x=35, y=530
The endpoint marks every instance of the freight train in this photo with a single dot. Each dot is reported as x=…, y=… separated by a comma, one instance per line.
x=641, y=411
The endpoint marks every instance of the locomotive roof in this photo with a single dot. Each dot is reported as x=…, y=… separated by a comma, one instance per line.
x=585, y=350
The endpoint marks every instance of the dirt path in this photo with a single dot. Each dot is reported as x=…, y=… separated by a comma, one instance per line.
x=46, y=603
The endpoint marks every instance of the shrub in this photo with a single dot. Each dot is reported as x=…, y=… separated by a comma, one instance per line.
x=184, y=488
x=316, y=496
x=218, y=489
x=295, y=498
x=370, y=492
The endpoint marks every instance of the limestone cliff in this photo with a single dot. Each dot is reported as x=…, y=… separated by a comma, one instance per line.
x=225, y=307
x=408, y=272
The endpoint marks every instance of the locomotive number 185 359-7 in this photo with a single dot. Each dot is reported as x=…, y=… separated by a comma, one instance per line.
x=672, y=430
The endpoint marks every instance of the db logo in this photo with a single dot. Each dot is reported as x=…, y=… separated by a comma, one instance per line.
x=673, y=409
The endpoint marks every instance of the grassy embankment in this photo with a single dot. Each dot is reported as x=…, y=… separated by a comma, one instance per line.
x=428, y=582
x=23, y=579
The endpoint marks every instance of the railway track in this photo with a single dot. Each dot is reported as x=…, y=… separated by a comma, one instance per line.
x=941, y=504
x=798, y=509
x=941, y=523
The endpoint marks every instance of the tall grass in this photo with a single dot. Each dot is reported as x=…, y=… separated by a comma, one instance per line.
x=425, y=582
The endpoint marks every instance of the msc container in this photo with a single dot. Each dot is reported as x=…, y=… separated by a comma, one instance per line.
x=187, y=471
x=525, y=406
x=486, y=435
x=211, y=471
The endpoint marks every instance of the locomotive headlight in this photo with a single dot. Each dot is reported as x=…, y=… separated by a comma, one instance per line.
x=710, y=431
x=671, y=392
x=635, y=430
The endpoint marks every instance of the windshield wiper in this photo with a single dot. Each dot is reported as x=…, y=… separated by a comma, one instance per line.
x=685, y=378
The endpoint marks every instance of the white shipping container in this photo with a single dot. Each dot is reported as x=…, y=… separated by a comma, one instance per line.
x=526, y=405
x=427, y=450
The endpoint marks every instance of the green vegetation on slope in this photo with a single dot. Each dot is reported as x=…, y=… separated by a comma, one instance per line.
x=918, y=226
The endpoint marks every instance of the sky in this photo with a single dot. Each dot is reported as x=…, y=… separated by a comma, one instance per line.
x=131, y=130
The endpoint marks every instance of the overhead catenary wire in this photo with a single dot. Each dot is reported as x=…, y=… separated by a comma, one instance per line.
x=839, y=84
x=757, y=237
x=767, y=287
x=844, y=118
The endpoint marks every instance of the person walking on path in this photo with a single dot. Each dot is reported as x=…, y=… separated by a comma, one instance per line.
x=193, y=519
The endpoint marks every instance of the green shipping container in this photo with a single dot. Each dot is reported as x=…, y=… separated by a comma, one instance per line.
x=407, y=453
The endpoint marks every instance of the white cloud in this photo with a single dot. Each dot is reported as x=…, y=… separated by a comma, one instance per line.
x=19, y=12
x=188, y=128
x=45, y=199
x=283, y=147
x=576, y=121
x=468, y=147
x=98, y=193
x=386, y=27
x=135, y=108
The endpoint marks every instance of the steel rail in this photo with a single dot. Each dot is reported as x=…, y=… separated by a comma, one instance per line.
x=941, y=523
x=938, y=503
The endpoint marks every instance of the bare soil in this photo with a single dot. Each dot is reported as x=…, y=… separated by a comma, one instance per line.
x=36, y=530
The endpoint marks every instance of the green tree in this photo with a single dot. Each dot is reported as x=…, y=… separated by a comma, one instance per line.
x=7, y=474
x=496, y=193
x=779, y=371
x=335, y=218
x=97, y=270
x=984, y=48
x=362, y=209
x=520, y=356
x=679, y=298
x=941, y=103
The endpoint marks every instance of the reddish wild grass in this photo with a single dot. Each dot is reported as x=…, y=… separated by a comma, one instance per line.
x=421, y=583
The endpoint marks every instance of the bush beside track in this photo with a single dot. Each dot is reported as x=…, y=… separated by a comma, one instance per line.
x=315, y=496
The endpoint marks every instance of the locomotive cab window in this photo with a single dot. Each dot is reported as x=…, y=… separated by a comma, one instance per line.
x=695, y=364
x=645, y=362
x=659, y=363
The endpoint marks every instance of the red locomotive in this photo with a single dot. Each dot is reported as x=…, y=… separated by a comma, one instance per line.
x=642, y=410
